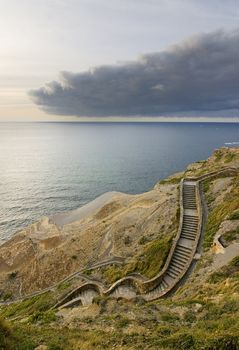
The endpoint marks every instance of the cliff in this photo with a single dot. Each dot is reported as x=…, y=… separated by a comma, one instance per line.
x=129, y=233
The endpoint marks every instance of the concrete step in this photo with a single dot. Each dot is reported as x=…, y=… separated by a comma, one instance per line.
x=178, y=257
x=190, y=217
x=172, y=275
x=177, y=266
x=182, y=250
x=173, y=271
x=192, y=234
x=190, y=227
x=177, y=262
x=190, y=223
x=181, y=253
x=188, y=237
x=165, y=283
x=189, y=233
x=190, y=230
x=181, y=257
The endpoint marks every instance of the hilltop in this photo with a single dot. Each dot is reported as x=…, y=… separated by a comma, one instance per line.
x=128, y=234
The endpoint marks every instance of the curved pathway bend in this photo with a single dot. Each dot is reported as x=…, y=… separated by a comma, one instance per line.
x=181, y=256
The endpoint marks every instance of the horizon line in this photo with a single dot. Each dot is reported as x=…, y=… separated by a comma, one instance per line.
x=130, y=120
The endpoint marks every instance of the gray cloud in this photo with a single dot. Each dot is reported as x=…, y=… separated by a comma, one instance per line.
x=198, y=76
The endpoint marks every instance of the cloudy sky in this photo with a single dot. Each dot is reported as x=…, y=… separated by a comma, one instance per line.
x=68, y=59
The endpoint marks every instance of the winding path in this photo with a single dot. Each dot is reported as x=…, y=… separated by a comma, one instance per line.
x=182, y=254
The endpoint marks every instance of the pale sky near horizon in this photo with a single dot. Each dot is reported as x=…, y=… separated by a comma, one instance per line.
x=39, y=39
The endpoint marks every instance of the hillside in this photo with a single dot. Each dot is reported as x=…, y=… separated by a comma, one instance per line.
x=131, y=233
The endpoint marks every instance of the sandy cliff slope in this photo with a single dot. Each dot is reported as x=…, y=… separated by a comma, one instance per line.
x=115, y=224
x=112, y=225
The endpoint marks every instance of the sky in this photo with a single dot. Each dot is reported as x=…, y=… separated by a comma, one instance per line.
x=130, y=59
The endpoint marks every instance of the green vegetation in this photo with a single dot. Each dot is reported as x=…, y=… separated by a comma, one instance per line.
x=13, y=275
x=218, y=154
x=149, y=263
x=231, y=235
x=143, y=240
x=230, y=157
x=234, y=216
x=221, y=212
x=63, y=286
x=6, y=296
x=202, y=315
x=230, y=271
x=234, y=262
x=126, y=325
x=172, y=180
x=28, y=307
x=43, y=317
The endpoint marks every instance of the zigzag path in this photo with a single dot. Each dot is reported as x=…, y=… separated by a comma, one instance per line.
x=181, y=256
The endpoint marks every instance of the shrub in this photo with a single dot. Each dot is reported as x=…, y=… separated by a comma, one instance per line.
x=234, y=216
x=43, y=317
x=64, y=285
x=12, y=275
x=235, y=262
x=143, y=240
x=7, y=296
x=226, y=342
x=180, y=341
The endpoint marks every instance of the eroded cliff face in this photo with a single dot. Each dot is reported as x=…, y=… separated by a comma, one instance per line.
x=123, y=226
x=44, y=253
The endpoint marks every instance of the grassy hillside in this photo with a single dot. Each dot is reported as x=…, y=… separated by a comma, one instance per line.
x=203, y=314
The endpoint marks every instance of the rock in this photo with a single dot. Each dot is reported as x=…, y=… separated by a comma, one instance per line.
x=42, y=347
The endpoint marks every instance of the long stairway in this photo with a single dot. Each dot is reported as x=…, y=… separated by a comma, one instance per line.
x=177, y=264
x=185, y=246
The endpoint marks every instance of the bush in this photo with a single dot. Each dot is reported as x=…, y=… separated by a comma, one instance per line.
x=13, y=275
x=180, y=341
x=226, y=342
x=43, y=317
x=234, y=216
x=235, y=262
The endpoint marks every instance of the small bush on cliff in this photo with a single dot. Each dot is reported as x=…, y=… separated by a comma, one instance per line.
x=43, y=317
x=234, y=216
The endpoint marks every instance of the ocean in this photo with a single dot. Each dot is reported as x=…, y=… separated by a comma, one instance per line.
x=48, y=168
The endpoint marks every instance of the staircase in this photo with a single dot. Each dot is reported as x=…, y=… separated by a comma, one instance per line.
x=177, y=264
x=180, y=257
x=186, y=244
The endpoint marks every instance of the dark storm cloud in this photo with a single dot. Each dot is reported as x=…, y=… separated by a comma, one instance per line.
x=200, y=75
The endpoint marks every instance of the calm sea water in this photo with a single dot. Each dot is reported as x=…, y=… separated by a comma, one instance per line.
x=48, y=168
